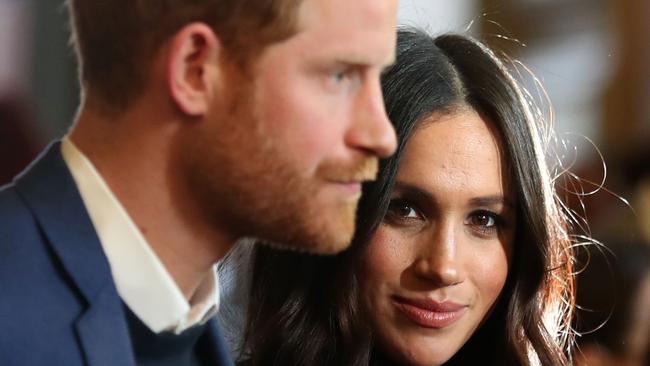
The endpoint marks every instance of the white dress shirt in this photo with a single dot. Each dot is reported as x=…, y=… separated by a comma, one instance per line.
x=142, y=281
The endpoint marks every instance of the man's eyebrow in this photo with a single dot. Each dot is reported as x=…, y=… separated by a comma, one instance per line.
x=358, y=59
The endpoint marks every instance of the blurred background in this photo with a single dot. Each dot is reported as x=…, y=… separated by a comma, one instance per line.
x=592, y=58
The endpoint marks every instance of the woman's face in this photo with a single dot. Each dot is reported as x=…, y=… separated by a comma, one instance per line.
x=436, y=265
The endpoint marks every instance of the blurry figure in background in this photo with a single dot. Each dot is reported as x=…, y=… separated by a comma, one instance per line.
x=613, y=296
x=19, y=138
x=17, y=144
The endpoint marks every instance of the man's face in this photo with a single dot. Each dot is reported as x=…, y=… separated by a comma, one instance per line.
x=283, y=161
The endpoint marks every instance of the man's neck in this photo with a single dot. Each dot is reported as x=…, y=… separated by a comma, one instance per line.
x=135, y=159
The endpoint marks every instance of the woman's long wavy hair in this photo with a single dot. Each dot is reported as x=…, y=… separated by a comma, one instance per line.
x=304, y=309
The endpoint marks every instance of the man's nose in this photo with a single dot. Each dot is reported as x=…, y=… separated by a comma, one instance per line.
x=371, y=130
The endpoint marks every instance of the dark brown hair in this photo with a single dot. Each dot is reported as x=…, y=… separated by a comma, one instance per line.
x=116, y=41
x=304, y=309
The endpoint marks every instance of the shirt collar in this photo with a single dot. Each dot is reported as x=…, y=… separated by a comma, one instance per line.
x=142, y=280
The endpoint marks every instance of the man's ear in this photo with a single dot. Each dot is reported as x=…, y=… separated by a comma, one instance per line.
x=193, y=68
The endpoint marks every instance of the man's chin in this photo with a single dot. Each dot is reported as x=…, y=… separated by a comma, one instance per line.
x=315, y=223
x=317, y=244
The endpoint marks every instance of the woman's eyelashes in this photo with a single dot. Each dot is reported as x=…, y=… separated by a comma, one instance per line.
x=401, y=211
x=486, y=223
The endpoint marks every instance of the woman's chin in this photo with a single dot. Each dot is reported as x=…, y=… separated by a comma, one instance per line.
x=424, y=355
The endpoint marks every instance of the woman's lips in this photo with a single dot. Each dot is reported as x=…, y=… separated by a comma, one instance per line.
x=429, y=313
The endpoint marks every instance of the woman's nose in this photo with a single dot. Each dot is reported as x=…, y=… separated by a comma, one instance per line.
x=439, y=261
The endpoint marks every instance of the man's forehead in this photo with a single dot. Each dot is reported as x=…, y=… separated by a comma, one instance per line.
x=378, y=56
x=360, y=31
x=364, y=12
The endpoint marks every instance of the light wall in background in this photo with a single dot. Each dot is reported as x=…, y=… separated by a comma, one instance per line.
x=439, y=16
x=567, y=44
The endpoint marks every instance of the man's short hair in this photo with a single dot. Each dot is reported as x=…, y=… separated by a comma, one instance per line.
x=117, y=40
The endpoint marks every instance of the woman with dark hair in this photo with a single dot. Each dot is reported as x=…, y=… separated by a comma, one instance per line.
x=461, y=255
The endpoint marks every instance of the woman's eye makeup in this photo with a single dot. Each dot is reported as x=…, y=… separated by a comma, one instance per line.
x=402, y=211
x=485, y=218
x=486, y=223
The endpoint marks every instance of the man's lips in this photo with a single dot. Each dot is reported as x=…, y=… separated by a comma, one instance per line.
x=430, y=313
x=350, y=187
x=350, y=181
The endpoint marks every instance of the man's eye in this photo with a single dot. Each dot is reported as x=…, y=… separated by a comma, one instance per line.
x=343, y=76
x=339, y=76
x=346, y=78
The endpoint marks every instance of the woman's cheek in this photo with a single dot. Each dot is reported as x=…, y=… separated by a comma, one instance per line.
x=493, y=272
x=385, y=257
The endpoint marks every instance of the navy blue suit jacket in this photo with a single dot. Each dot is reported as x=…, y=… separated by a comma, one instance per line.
x=58, y=302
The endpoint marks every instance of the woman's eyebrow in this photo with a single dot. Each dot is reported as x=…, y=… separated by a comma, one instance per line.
x=413, y=191
x=492, y=200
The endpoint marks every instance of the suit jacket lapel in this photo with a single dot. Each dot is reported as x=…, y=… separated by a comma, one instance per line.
x=51, y=193
x=213, y=346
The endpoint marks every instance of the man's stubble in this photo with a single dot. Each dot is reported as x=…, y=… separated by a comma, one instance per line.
x=249, y=185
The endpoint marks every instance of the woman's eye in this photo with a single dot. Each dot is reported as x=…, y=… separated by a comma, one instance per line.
x=399, y=209
x=483, y=219
x=485, y=223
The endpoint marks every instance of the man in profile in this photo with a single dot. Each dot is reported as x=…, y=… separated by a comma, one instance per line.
x=201, y=122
